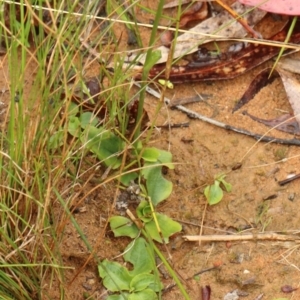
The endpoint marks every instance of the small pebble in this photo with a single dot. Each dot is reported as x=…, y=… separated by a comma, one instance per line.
x=242, y=293
x=232, y=296
x=87, y=286
x=91, y=281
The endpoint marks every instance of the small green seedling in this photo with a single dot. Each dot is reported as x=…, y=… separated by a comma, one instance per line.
x=102, y=142
x=214, y=192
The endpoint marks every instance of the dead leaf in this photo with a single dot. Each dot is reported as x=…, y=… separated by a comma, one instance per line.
x=207, y=31
x=287, y=123
x=177, y=3
x=289, y=64
x=292, y=88
x=206, y=292
x=261, y=80
x=227, y=65
x=284, y=7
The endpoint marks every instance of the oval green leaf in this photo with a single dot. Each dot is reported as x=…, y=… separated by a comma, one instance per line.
x=158, y=187
x=213, y=193
x=122, y=226
x=146, y=294
x=141, y=282
x=167, y=226
x=139, y=255
x=115, y=277
x=150, y=154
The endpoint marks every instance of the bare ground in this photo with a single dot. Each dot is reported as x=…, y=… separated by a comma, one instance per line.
x=200, y=152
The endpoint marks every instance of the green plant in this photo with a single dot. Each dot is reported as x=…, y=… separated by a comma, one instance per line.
x=107, y=146
x=262, y=216
x=155, y=190
x=48, y=55
x=281, y=153
x=156, y=226
x=214, y=192
x=137, y=283
x=100, y=141
x=42, y=58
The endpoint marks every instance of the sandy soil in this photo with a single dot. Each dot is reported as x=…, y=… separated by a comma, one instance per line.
x=256, y=204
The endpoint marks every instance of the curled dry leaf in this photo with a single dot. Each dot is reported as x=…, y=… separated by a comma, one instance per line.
x=206, y=291
x=292, y=88
x=261, y=80
x=207, y=31
x=287, y=123
x=284, y=7
x=227, y=65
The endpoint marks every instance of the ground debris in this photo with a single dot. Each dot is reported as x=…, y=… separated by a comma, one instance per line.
x=232, y=295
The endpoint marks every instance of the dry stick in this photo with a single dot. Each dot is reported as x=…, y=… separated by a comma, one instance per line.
x=263, y=138
x=245, y=237
x=259, y=297
x=202, y=222
x=176, y=125
x=285, y=181
x=197, y=98
x=194, y=115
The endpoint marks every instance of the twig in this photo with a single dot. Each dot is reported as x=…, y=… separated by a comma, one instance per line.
x=245, y=237
x=136, y=221
x=176, y=125
x=204, y=271
x=202, y=222
x=182, y=101
x=262, y=138
x=195, y=115
x=285, y=181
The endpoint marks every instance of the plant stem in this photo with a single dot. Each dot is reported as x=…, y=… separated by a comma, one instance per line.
x=167, y=265
x=145, y=71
